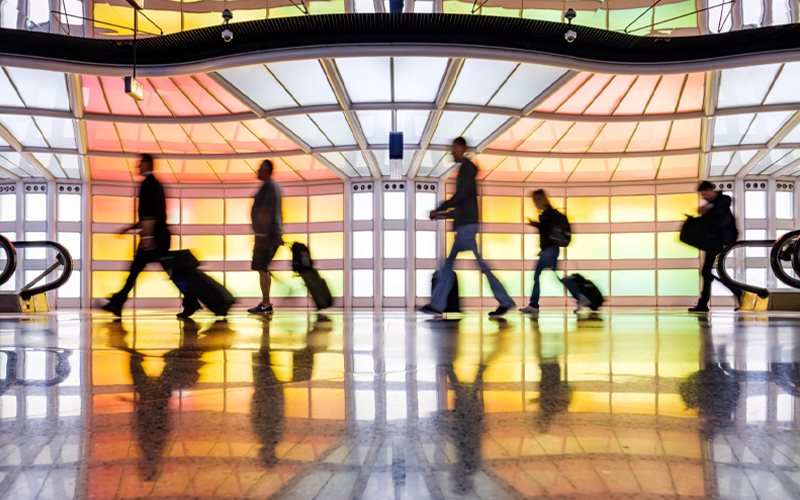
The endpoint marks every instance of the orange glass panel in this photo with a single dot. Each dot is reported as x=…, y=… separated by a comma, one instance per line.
x=546, y=136
x=202, y=100
x=207, y=139
x=676, y=167
x=554, y=101
x=119, y=102
x=609, y=99
x=693, y=93
x=102, y=136
x=174, y=98
x=514, y=136
x=115, y=209
x=237, y=210
x=487, y=163
x=93, y=99
x=233, y=104
x=326, y=245
x=638, y=96
x=202, y=210
x=649, y=136
x=240, y=137
x=105, y=283
x=173, y=211
x=172, y=139
x=236, y=171
x=193, y=171
x=205, y=247
x=579, y=138
x=152, y=105
x=326, y=208
x=270, y=135
x=112, y=246
x=685, y=134
x=137, y=138
x=110, y=169
x=553, y=170
x=281, y=171
x=637, y=168
x=584, y=96
x=161, y=169
x=309, y=168
x=295, y=209
x=595, y=169
x=665, y=98
x=514, y=169
x=614, y=137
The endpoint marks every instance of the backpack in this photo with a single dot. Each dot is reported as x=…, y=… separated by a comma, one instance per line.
x=301, y=258
x=560, y=232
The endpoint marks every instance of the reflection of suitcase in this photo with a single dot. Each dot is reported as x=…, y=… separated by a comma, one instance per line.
x=453, y=305
x=181, y=265
x=318, y=288
x=588, y=290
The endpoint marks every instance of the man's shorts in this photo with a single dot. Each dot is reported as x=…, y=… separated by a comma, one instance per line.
x=264, y=251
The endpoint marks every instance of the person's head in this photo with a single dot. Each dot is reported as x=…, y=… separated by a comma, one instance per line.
x=145, y=164
x=706, y=190
x=459, y=148
x=540, y=200
x=265, y=170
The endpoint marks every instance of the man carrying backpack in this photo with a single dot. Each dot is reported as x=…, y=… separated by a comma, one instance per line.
x=554, y=232
x=267, y=217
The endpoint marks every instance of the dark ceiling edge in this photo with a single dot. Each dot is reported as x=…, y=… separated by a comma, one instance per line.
x=445, y=35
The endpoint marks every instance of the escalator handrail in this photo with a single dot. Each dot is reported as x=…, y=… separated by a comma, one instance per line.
x=725, y=278
x=63, y=257
x=11, y=259
x=775, y=260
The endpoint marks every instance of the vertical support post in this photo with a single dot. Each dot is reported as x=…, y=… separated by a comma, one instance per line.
x=377, y=256
x=51, y=229
x=411, y=239
x=796, y=204
x=348, y=244
x=86, y=247
x=771, y=209
x=20, y=273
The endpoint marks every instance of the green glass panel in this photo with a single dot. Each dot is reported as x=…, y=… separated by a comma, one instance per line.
x=543, y=14
x=670, y=247
x=332, y=7
x=591, y=19
x=678, y=282
x=286, y=284
x=549, y=284
x=587, y=246
x=618, y=20
x=511, y=280
x=671, y=11
x=600, y=280
x=633, y=283
x=633, y=246
x=335, y=281
x=531, y=247
x=453, y=7
x=499, y=11
x=469, y=283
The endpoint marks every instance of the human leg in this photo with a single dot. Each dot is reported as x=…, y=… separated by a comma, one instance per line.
x=140, y=261
x=263, y=252
x=708, y=279
x=498, y=290
x=446, y=276
x=547, y=260
x=265, y=281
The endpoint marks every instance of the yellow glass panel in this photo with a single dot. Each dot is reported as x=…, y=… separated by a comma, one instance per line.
x=672, y=207
x=324, y=7
x=335, y=280
x=587, y=209
x=671, y=247
x=633, y=208
x=295, y=209
x=202, y=210
x=112, y=246
x=326, y=208
x=243, y=284
x=213, y=371
x=511, y=280
x=240, y=368
x=469, y=283
x=501, y=246
x=533, y=214
x=286, y=284
x=237, y=210
x=239, y=247
x=501, y=209
x=285, y=252
x=326, y=245
x=587, y=246
x=328, y=365
x=204, y=247
x=633, y=246
x=450, y=237
x=114, y=209
x=155, y=285
x=105, y=283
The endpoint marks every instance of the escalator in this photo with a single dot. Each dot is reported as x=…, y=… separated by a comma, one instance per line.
x=32, y=296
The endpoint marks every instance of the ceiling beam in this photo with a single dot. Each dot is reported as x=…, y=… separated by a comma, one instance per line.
x=779, y=136
x=235, y=92
x=416, y=163
x=537, y=154
x=201, y=156
x=333, y=168
x=14, y=143
x=76, y=104
x=783, y=170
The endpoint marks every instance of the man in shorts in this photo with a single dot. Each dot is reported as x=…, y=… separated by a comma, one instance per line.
x=267, y=217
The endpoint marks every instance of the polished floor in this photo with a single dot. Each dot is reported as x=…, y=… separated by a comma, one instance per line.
x=628, y=403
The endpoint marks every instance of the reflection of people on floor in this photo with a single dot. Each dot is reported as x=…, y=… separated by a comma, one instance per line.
x=555, y=395
x=786, y=374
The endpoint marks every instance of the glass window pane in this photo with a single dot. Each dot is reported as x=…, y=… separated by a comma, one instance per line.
x=729, y=130
x=526, y=83
x=752, y=10
x=326, y=245
x=426, y=244
x=72, y=241
x=670, y=247
x=412, y=124
x=755, y=204
x=394, y=244
x=367, y=79
x=72, y=288
x=294, y=208
x=363, y=242
x=202, y=210
x=633, y=246
x=394, y=205
x=483, y=125
x=376, y=126
x=35, y=207
x=672, y=207
x=765, y=126
x=506, y=209
x=335, y=127
x=362, y=283
x=745, y=86
x=784, y=205
x=69, y=207
x=59, y=132
x=362, y=206
x=36, y=253
x=633, y=208
x=24, y=130
x=479, y=80
x=257, y=83
x=586, y=246
x=633, y=283
x=452, y=124
x=502, y=246
x=755, y=234
x=585, y=209
x=8, y=207
x=418, y=79
x=424, y=280
x=326, y=208
x=305, y=129
x=678, y=282
x=394, y=282
x=305, y=81
x=426, y=202
x=38, y=88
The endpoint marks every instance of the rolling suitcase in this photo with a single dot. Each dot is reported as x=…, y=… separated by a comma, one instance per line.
x=182, y=267
x=588, y=290
x=303, y=265
x=453, y=304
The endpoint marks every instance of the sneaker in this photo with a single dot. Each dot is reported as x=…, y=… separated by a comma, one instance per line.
x=113, y=309
x=583, y=303
x=187, y=313
x=529, y=309
x=499, y=312
x=261, y=309
x=427, y=309
x=698, y=309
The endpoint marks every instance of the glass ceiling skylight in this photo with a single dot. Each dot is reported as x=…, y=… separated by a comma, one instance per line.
x=756, y=85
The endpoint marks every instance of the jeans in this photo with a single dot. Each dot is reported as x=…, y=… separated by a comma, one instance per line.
x=708, y=279
x=140, y=261
x=465, y=242
x=548, y=259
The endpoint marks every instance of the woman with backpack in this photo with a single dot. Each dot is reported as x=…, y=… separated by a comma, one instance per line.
x=554, y=232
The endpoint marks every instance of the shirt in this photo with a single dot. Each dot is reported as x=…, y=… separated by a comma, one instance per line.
x=465, y=200
x=268, y=198
x=153, y=206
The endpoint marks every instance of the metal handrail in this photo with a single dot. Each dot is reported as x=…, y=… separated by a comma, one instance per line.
x=730, y=282
x=775, y=257
x=62, y=259
x=11, y=259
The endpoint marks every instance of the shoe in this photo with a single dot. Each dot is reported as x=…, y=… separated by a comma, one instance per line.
x=698, y=309
x=113, y=309
x=427, y=309
x=583, y=303
x=187, y=313
x=261, y=309
x=529, y=309
x=499, y=312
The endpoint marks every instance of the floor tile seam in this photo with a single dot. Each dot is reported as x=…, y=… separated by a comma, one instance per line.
x=427, y=471
x=8, y=482
x=360, y=484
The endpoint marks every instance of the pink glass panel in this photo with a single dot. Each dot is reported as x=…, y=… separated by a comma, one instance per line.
x=487, y=162
x=594, y=170
x=193, y=171
x=92, y=92
x=233, y=104
x=204, y=101
x=137, y=138
x=271, y=136
x=613, y=138
x=514, y=169
x=102, y=136
x=176, y=101
x=638, y=96
x=234, y=171
x=553, y=170
x=240, y=137
x=152, y=105
x=557, y=99
x=677, y=167
x=207, y=139
x=579, y=138
x=609, y=99
x=649, y=136
x=584, y=96
x=685, y=134
x=309, y=168
x=118, y=100
x=110, y=169
x=546, y=136
x=173, y=139
x=665, y=98
x=514, y=136
x=282, y=172
x=161, y=170
x=693, y=93
x=630, y=169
